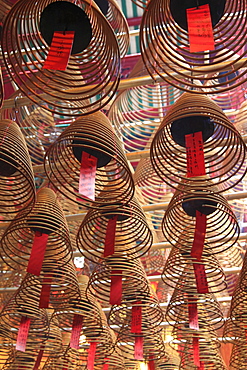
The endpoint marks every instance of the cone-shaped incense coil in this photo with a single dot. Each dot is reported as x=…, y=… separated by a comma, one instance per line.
x=180, y=221
x=238, y=356
x=17, y=180
x=90, y=137
x=133, y=236
x=94, y=60
x=164, y=55
x=45, y=221
x=221, y=145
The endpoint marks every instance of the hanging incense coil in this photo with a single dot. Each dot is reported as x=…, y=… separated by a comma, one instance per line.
x=94, y=59
x=180, y=264
x=222, y=163
x=179, y=222
x=46, y=218
x=238, y=356
x=233, y=333
x=137, y=112
x=17, y=179
x=164, y=42
x=237, y=311
x=131, y=274
x=92, y=135
x=209, y=314
x=132, y=234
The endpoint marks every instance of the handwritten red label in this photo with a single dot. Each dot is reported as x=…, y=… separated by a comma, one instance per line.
x=200, y=29
x=195, y=155
x=201, y=278
x=193, y=315
x=23, y=334
x=199, y=236
x=60, y=49
x=136, y=319
x=37, y=254
x=38, y=359
x=87, y=175
x=91, y=355
x=45, y=292
x=76, y=331
x=110, y=237
x=196, y=351
x=116, y=287
x=138, y=355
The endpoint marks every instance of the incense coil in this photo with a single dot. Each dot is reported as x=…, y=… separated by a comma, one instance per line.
x=134, y=282
x=237, y=310
x=222, y=163
x=181, y=265
x=164, y=42
x=233, y=333
x=46, y=218
x=179, y=222
x=238, y=356
x=132, y=236
x=137, y=112
x=209, y=313
x=17, y=179
x=120, y=316
x=94, y=135
x=95, y=63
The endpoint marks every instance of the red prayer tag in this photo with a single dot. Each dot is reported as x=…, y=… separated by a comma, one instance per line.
x=45, y=292
x=138, y=355
x=196, y=353
x=23, y=334
x=38, y=359
x=151, y=365
x=91, y=355
x=136, y=319
x=200, y=29
x=87, y=175
x=201, y=278
x=105, y=366
x=201, y=366
x=37, y=254
x=76, y=331
x=60, y=49
x=193, y=315
x=116, y=287
x=199, y=236
x=110, y=237
x=195, y=155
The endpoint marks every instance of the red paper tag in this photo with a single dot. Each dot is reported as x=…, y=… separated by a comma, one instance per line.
x=38, y=359
x=201, y=278
x=23, y=334
x=151, y=365
x=45, y=292
x=138, y=348
x=200, y=29
x=76, y=331
x=91, y=355
x=199, y=236
x=136, y=319
x=87, y=175
x=195, y=155
x=37, y=254
x=193, y=315
x=196, y=353
x=106, y=365
x=116, y=287
x=201, y=366
x=60, y=50
x=110, y=237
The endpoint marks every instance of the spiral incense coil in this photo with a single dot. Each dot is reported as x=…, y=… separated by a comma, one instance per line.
x=134, y=283
x=170, y=362
x=120, y=316
x=237, y=311
x=153, y=345
x=209, y=314
x=16, y=174
x=92, y=135
x=46, y=218
x=94, y=59
x=20, y=361
x=180, y=264
x=233, y=333
x=192, y=114
x=133, y=237
x=179, y=222
x=136, y=113
x=238, y=356
x=164, y=42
